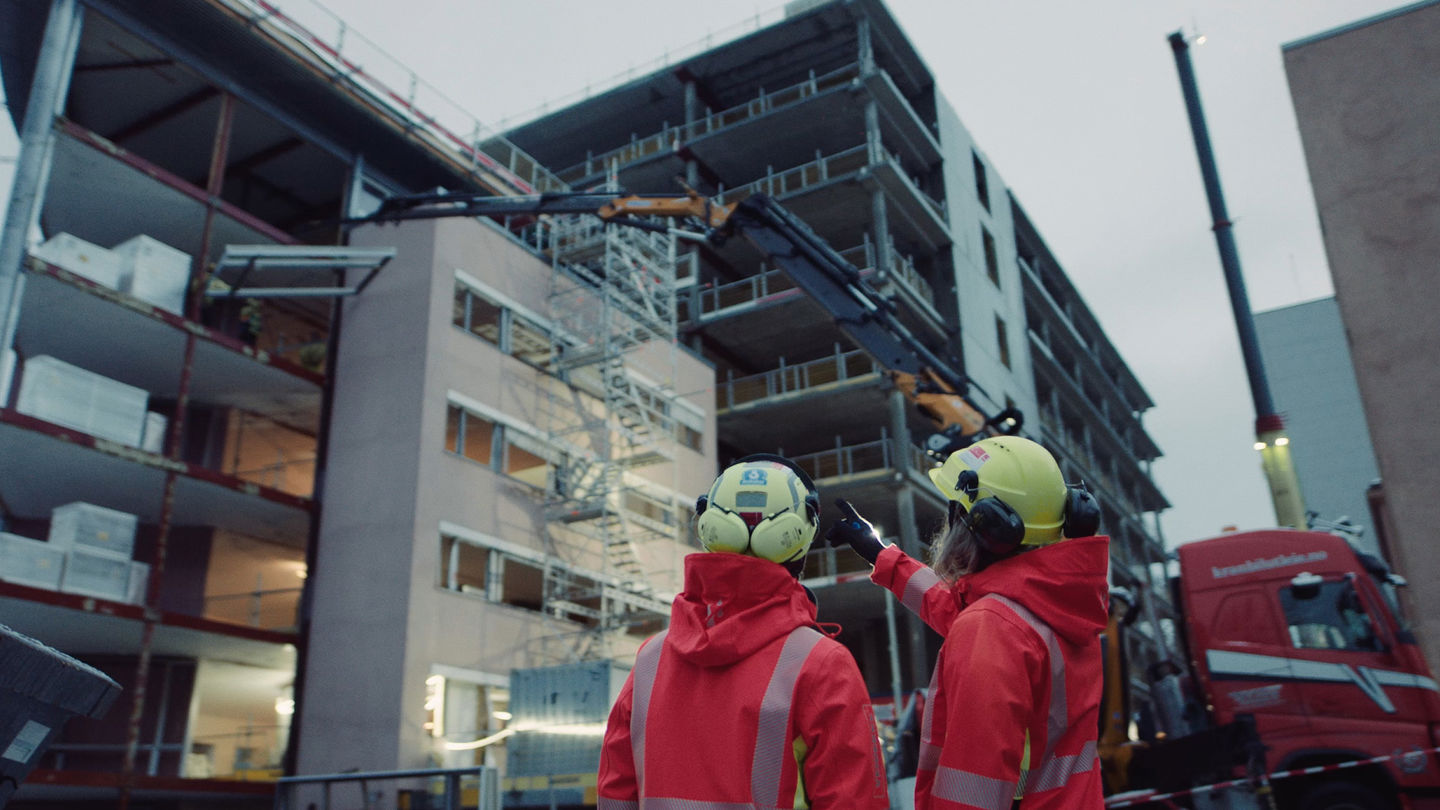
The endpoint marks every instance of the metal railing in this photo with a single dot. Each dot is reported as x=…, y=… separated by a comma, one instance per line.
x=352, y=58
x=789, y=379
x=452, y=781
x=823, y=169
x=295, y=476
x=846, y=459
x=904, y=269
x=671, y=138
x=712, y=300
x=820, y=170
x=250, y=608
x=1077, y=450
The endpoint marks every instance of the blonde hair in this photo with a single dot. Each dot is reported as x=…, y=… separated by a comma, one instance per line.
x=955, y=552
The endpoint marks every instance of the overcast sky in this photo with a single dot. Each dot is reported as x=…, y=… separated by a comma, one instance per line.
x=1078, y=107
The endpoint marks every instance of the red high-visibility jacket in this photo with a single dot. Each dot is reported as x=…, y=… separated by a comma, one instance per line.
x=742, y=703
x=1021, y=657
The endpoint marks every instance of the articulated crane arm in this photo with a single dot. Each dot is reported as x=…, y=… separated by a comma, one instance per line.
x=859, y=310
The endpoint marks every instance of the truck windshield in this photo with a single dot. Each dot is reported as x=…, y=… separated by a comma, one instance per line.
x=1330, y=617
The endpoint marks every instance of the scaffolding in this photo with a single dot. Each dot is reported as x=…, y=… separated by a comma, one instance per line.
x=613, y=309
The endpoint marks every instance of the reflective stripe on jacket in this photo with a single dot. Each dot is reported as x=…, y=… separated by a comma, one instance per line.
x=1021, y=659
x=741, y=704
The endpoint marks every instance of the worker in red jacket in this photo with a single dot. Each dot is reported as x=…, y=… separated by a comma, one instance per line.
x=743, y=702
x=1014, y=701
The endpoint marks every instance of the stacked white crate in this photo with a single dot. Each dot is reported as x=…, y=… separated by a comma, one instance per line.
x=72, y=253
x=152, y=439
x=94, y=527
x=30, y=562
x=97, y=574
x=155, y=272
x=98, y=544
x=71, y=396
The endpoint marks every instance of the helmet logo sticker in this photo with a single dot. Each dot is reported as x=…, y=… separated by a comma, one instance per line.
x=975, y=456
x=753, y=476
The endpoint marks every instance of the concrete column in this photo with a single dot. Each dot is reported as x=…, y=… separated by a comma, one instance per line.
x=874, y=150
x=914, y=629
x=880, y=234
x=693, y=113
x=37, y=142
x=866, y=54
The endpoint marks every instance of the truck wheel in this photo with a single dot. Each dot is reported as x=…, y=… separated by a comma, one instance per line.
x=1343, y=796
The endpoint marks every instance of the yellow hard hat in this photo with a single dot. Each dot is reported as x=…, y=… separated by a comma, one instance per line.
x=764, y=506
x=1018, y=473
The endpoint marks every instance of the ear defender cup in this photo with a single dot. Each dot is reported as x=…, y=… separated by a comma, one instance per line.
x=998, y=527
x=1082, y=513
x=782, y=537
x=720, y=530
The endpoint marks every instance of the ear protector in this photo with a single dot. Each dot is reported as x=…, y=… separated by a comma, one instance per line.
x=999, y=528
x=763, y=505
x=1082, y=512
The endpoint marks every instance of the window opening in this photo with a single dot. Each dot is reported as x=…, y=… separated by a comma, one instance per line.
x=1003, y=340
x=501, y=326
x=1329, y=616
x=464, y=567
x=484, y=319
x=522, y=583
x=982, y=185
x=992, y=259
x=502, y=448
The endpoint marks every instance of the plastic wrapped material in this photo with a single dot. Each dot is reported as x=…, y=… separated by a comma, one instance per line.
x=83, y=259
x=95, y=527
x=154, y=272
x=96, y=573
x=153, y=439
x=139, y=579
x=30, y=562
x=7, y=369
x=73, y=397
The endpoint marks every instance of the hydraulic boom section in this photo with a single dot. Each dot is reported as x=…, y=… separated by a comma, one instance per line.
x=859, y=310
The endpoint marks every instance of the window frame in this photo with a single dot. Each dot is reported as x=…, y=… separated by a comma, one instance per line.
x=1002, y=340
x=506, y=432
x=510, y=316
x=982, y=180
x=992, y=256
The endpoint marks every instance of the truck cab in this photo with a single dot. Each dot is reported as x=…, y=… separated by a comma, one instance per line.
x=1302, y=633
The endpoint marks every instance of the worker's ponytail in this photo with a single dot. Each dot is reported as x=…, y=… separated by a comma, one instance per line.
x=956, y=551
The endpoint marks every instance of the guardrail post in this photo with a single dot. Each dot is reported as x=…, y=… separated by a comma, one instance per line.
x=452, y=791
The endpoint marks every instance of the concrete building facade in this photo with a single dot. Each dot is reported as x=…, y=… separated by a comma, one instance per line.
x=1363, y=95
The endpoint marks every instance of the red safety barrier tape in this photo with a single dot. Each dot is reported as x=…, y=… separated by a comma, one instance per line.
x=1133, y=798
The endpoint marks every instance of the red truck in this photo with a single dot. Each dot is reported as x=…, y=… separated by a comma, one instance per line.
x=1299, y=660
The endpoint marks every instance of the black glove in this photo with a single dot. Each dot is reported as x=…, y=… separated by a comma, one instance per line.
x=854, y=531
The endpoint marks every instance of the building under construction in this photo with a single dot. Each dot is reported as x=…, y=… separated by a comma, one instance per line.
x=833, y=113
x=310, y=493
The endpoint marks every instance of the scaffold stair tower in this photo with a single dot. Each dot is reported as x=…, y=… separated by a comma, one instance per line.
x=612, y=302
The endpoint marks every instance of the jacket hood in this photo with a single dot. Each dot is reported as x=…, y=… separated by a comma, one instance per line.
x=1064, y=584
x=733, y=605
